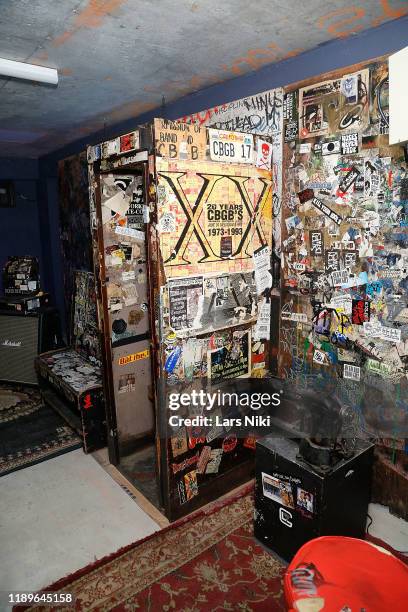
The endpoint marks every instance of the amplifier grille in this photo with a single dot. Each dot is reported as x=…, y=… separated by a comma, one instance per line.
x=18, y=348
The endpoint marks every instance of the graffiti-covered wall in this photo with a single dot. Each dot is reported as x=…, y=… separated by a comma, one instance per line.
x=344, y=314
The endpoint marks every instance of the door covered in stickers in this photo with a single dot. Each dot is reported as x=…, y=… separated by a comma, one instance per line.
x=119, y=239
x=344, y=315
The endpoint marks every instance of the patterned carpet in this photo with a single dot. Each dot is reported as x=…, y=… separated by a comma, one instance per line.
x=206, y=563
x=29, y=431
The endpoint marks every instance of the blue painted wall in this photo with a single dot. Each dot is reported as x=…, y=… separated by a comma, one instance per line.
x=20, y=232
x=339, y=53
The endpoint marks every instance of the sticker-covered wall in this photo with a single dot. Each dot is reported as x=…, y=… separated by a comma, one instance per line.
x=340, y=196
x=344, y=315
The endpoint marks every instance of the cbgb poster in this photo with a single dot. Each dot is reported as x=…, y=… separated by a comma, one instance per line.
x=220, y=214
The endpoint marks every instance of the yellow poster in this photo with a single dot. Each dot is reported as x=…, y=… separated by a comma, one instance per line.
x=212, y=216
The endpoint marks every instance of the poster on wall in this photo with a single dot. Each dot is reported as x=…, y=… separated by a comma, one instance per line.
x=174, y=140
x=184, y=301
x=218, y=217
x=261, y=114
x=213, y=302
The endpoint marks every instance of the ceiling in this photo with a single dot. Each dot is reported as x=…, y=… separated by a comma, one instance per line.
x=118, y=58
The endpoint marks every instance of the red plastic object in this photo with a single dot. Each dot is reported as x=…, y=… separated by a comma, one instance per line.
x=336, y=574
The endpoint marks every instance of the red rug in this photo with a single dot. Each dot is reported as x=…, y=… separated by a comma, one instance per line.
x=206, y=563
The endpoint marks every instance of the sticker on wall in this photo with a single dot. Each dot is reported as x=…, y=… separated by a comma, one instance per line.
x=331, y=214
x=349, y=180
x=351, y=372
x=203, y=459
x=231, y=146
x=330, y=147
x=110, y=147
x=172, y=360
x=331, y=260
x=167, y=223
x=262, y=265
x=130, y=232
x=127, y=383
x=129, y=142
x=263, y=322
x=250, y=441
x=305, y=195
x=290, y=114
x=231, y=360
x=229, y=443
x=316, y=243
x=93, y=154
x=349, y=88
x=181, y=488
x=319, y=357
x=179, y=467
x=325, y=110
x=134, y=357
x=360, y=312
x=213, y=464
x=297, y=317
x=349, y=143
x=179, y=442
x=134, y=214
x=263, y=154
x=191, y=486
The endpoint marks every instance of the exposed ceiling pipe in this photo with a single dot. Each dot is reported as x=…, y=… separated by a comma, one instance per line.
x=30, y=72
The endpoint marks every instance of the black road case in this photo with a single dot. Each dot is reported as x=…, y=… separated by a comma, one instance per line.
x=294, y=503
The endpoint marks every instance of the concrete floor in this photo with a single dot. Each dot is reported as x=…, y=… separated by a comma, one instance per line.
x=60, y=515
x=388, y=527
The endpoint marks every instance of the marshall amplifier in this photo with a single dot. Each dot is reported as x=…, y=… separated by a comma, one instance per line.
x=22, y=338
x=294, y=503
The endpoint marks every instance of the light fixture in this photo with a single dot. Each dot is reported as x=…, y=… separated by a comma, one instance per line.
x=30, y=72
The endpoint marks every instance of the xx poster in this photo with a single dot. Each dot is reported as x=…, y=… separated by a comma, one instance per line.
x=215, y=216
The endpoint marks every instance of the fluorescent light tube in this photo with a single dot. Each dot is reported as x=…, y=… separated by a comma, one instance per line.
x=30, y=72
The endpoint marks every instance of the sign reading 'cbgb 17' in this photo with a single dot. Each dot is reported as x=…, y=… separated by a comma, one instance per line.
x=212, y=218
